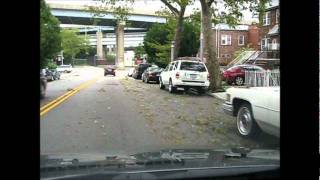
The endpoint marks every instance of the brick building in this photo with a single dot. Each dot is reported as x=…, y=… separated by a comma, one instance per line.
x=229, y=39
x=265, y=37
x=269, y=36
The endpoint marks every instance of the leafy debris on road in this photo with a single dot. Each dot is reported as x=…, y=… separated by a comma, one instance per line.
x=202, y=122
x=95, y=121
x=102, y=90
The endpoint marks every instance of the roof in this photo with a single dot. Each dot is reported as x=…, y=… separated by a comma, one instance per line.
x=228, y=27
x=272, y=4
x=274, y=30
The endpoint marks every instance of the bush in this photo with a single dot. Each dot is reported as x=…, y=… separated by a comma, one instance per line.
x=52, y=65
x=110, y=58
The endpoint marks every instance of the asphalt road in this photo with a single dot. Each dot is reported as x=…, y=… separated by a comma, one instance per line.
x=122, y=116
x=68, y=81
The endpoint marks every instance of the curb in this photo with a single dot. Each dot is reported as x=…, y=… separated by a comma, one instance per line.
x=216, y=96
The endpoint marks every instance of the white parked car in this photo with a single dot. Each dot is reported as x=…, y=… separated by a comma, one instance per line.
x=255, y=108
x=130, y=72
x=185, y=73
x=64, y=68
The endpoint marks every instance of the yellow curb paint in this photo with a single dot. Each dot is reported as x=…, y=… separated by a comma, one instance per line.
x=46, y=108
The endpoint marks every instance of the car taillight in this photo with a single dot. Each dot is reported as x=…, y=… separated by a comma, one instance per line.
x=177, y=75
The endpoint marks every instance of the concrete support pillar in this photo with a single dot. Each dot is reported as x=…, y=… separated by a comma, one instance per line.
x=120, y=44
x=99, y=44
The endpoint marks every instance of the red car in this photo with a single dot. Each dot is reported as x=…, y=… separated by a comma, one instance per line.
x=110, y=70
x=235, y=74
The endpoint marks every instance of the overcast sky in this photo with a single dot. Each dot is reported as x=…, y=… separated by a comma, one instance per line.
x=150, y=5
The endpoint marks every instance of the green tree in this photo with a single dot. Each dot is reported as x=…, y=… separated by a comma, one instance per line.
x=72, y=44
x=139, y=51
x=211, y=14
x=157, y=42
x=50, y=40
x=178, y=14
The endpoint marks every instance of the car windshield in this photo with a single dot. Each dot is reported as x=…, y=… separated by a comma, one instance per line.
x=142, y=86
x=192, y=66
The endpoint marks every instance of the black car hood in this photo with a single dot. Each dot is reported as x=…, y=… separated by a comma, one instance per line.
x=164, y=164
x=255, y=156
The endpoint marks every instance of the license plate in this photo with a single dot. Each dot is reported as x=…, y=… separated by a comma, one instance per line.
x=193, y=76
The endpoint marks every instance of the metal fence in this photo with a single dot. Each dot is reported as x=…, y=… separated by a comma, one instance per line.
x=262, y=78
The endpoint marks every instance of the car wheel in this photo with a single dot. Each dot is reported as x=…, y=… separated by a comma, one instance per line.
x=201, y=91
x=246, y=124
x=172, y=89
x=161, y=84
x=239, y=81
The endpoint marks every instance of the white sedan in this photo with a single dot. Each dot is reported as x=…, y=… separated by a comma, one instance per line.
x=64, y=68
x=256, y=108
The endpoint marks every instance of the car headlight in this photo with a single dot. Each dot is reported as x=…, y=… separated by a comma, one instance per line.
x=228, y=97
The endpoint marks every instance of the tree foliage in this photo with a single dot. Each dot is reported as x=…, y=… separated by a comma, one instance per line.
x=50, y=40
x=157, y=42
x=119, y=8
x=72, y=44
x=139, y=51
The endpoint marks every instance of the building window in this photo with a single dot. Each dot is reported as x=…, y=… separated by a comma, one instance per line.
x=266, y=19
x=225, y=39
x=277, y=16
x=241, y=40
x=264, y=44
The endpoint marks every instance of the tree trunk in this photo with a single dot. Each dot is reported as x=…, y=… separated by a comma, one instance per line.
x=178, y=34
x=209, y=50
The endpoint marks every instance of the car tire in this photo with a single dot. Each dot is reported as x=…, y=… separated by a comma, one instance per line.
x=239, y=81
x=201, y=91
x=246, y=125
x=172, y=89
x=161, y=84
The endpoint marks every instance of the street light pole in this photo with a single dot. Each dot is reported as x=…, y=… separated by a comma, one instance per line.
x=201, y=40
x=172, y=50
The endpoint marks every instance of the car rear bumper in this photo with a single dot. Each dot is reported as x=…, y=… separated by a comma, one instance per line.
x=192, y=83
x=153, y=78
x=227, y=108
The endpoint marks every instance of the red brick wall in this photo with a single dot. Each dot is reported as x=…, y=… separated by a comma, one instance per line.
x=253, y=37
x=226, y=52
x=265, y=29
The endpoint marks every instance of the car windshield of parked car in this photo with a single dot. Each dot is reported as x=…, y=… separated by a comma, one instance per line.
x=192, y=66
x=142, y=88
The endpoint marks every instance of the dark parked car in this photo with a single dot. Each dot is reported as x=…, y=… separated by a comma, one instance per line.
x=151, y=74
x=140, y=69
x=110, y=70
x=43, y=85
x=52, y=74
x=236, y=74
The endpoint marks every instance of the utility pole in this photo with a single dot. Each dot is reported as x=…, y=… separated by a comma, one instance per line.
x=172, y=50
x=201, y=40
